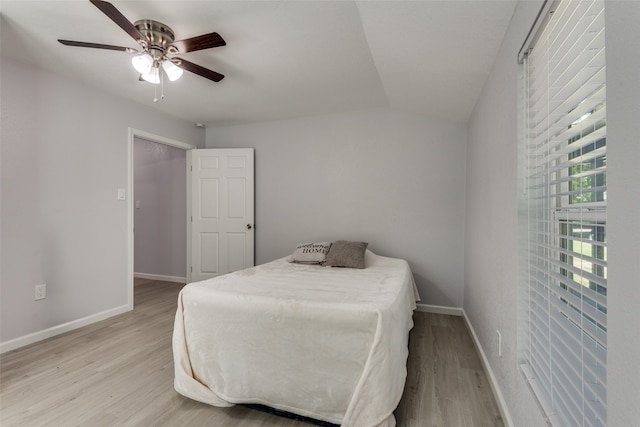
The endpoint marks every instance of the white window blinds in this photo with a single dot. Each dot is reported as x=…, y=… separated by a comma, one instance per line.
x=564, y=339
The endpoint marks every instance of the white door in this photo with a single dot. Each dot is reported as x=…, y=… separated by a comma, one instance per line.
x=221, y=203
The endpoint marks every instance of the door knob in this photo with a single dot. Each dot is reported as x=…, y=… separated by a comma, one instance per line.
x=248, y=226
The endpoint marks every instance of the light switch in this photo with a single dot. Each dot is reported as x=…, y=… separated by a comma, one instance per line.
x=137, y=204
x=121, y=194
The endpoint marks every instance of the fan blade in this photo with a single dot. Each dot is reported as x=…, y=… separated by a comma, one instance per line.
x=97, y=46
x=204, y=41
x=117, y=17
x=197, y=69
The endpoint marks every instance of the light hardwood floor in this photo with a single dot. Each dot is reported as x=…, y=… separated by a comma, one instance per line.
x=119, y=372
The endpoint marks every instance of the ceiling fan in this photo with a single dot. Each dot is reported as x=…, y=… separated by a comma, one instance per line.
x=158, y=45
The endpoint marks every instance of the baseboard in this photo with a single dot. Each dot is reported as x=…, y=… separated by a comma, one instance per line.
x=60, y=329
x=160, y=277
x=439, y=309
x=493, y=382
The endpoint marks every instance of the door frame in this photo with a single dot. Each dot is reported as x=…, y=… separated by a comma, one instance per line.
x=137, y=133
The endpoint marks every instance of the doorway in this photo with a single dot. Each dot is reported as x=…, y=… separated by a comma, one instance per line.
x=156, y=209
x=159, y=211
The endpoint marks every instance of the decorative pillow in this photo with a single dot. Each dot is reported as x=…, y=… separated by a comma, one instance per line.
x=311, y=253
x=344, y=253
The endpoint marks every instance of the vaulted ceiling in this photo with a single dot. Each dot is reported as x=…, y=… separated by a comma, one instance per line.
x=283, y=59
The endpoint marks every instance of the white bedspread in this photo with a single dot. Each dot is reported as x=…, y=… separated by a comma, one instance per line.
x=326, y=343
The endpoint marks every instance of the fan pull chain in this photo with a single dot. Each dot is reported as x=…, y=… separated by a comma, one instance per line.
x=155, y=88
x=161, y=83
x=155, y=93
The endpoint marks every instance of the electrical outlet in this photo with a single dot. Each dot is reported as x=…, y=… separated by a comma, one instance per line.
x=41, y=292
x=499, y=343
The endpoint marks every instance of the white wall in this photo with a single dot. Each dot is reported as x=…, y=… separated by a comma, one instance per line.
x=64, y=155
x=160, y=214
x=623, y=214
x=491, y=243
x=491, y=239
x=392, y=179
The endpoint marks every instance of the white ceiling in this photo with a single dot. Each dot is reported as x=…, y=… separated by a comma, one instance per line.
x=283, y=59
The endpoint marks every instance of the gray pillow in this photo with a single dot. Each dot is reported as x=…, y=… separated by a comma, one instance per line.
x=344, y=253
x=310, y=253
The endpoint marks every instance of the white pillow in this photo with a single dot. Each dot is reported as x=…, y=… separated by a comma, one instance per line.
x=310, y=253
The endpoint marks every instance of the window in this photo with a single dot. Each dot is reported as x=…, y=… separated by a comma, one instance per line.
x=563, y=333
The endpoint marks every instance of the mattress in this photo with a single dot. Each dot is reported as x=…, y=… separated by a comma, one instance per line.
x=322, y=342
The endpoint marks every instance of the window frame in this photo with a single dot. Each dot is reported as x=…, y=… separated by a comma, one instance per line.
x=562, y=307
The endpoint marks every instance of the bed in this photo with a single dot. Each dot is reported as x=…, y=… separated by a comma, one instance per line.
x=323, y=342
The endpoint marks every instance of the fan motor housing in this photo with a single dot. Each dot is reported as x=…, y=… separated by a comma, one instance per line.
x=160, y=35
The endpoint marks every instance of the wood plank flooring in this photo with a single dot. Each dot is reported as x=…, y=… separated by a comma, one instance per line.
x=119, y=372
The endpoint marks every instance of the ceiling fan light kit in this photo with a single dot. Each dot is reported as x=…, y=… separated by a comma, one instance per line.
x=142, y=63
x=158, y=47
x=172, y=70
x=153, y=76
